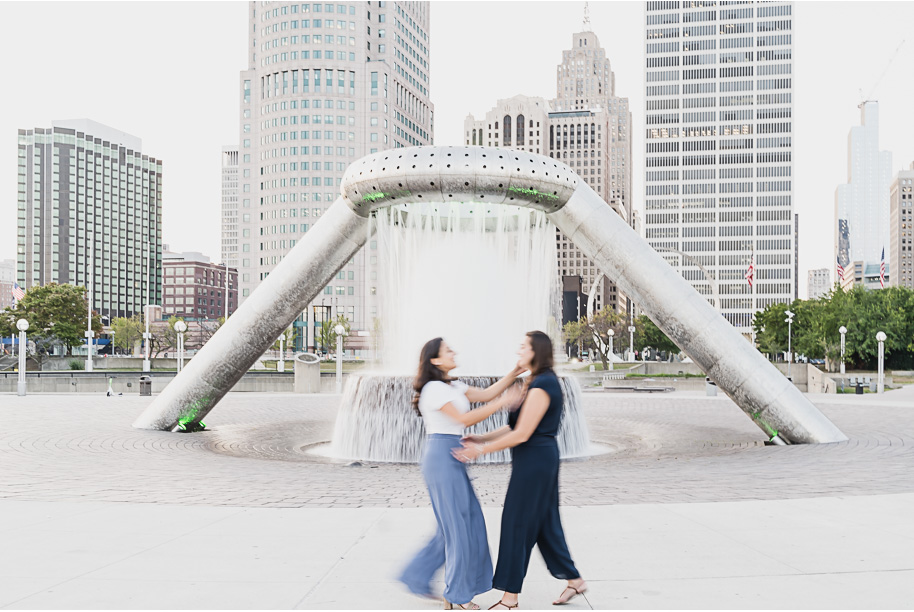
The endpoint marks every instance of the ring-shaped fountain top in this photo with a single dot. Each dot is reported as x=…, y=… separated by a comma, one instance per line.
x=457, y=174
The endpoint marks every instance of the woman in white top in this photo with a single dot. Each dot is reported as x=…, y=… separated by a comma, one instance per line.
x=460, y=542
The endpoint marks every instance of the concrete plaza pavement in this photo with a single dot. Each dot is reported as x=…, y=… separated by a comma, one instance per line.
x=690, y=510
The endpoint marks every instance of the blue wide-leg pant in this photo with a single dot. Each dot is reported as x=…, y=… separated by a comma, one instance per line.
x=460, y=542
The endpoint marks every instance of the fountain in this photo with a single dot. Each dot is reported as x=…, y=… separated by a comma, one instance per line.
x=477, y=275
x=498, y=177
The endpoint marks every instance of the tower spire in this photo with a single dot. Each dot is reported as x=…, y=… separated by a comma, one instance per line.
x=587, y=27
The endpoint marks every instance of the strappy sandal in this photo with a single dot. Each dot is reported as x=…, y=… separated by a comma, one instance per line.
x=467, y=606
x=562, y=602
x=504, y=605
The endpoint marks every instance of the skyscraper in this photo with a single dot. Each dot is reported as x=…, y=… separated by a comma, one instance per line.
x=900, y=254
x=862, y=204
x=230, y=212
x=90, y=214
x=588, y=128
x=7, y=282
x=718, y=152
x=325, y=85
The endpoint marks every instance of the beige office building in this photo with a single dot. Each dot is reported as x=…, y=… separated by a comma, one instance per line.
x=588, y=128
x=325, y=85
x=900, y=255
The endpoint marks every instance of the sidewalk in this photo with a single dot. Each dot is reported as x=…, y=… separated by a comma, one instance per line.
x=827, y=552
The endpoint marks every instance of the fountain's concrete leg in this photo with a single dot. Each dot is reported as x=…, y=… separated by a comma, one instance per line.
x=280, y=298
x=759, y=389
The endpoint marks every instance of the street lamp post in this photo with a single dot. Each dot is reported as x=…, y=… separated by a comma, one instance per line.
x=22, y=325
x=880, y=381
x=611, y=354
x=146, y=337
x=89, y=335
x=789, y=321
x=631, y=342
x=180, y=327
x=340, y=332
x=281, y=364
x=842, y=330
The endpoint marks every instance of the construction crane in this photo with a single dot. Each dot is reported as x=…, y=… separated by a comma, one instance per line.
x=881, y=76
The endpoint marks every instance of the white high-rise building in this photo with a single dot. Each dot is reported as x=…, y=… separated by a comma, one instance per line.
x=90, y=214
x=818, y=283
x=862, y=204
x=230, y=206
x=718, y=149
x=325, y=85
x=588, y=128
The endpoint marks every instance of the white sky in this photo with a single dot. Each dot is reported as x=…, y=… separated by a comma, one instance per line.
x=167, y=72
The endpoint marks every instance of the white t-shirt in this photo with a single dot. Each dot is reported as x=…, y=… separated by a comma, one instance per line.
x=433, y=397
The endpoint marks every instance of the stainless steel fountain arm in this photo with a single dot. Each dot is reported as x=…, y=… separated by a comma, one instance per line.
x=270, y=310
x=497, y=176
x=757, y=387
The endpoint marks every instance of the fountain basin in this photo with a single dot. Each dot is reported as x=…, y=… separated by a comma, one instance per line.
x=376, y=422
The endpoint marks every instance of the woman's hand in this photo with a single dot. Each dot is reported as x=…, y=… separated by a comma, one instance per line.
x=469, y=452
x=512, y=399
x=518, y=370
x=472, y=439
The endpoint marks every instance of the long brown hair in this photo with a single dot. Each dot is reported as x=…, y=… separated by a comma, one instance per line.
x=428, y=371
x=542, y=353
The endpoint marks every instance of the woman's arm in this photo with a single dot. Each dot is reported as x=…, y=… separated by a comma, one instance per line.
x=475, y=394
x=531, y=414
x=488, y=437
x=479, y=414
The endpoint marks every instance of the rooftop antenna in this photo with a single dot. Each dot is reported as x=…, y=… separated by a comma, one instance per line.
x=587, y=27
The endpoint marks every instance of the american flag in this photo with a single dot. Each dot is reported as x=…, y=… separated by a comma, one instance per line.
x=18, y=293
x=750, y=273
x=840, y=270
x=882, y=270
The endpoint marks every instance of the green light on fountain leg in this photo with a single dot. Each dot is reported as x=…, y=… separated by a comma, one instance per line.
x=187, y=424
x=771, y=431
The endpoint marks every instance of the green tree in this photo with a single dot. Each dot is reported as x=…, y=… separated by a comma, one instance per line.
x=206, y=330
x=593, y=332
x=164, y=336
x=647, y=334
x=771, y=328
x=291, y=335
x=863, y=312
x=56, y=315
x=127, y=332
x=326, y=337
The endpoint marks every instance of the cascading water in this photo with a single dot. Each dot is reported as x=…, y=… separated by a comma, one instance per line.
x=478, y=275
x=377, y=422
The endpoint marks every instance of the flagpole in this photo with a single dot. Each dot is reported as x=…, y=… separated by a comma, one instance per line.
x=752, y=287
